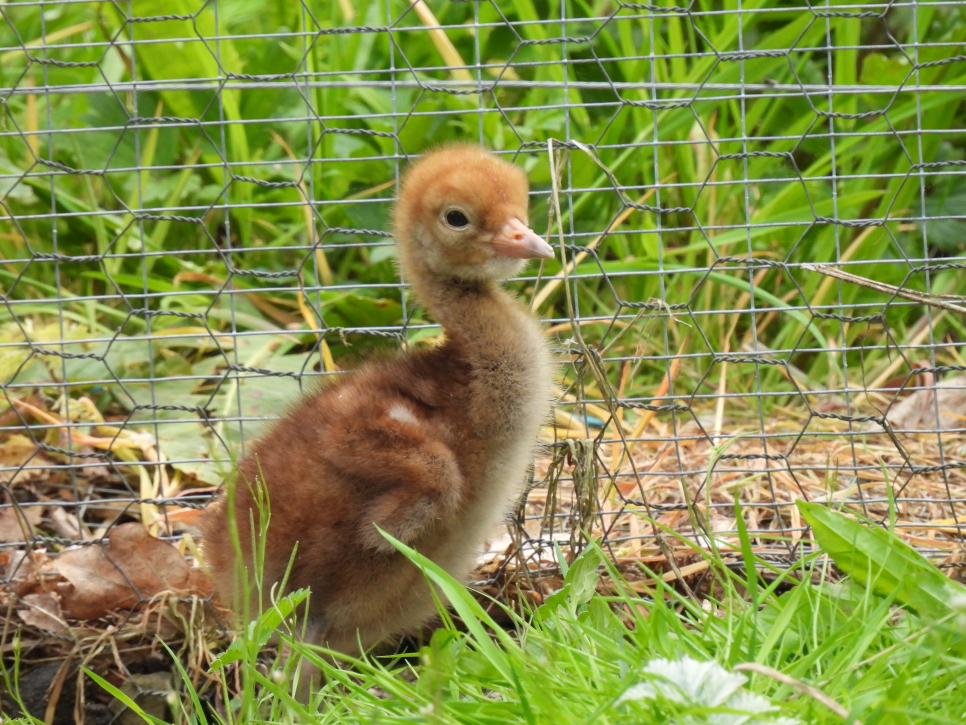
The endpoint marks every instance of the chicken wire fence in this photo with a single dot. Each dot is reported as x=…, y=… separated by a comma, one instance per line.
x=761, y=215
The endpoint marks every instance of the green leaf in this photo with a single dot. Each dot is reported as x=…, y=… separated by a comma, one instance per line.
x=580, y=583
x=880, y=69
x=884, y=563
x=582, y=576
x=260, y=631
x=123, y=698
x=473, y=615
x=779, y=614
x=172, y=58
x=550, y=605
x=561, y=558
x=133, y=281
x=927, y=592
x=199, y=711
x=264, y=397
x=194, y=451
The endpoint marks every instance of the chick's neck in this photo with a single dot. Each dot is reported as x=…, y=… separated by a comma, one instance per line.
x=459, y=305
x=477, y=314
x=503, y=346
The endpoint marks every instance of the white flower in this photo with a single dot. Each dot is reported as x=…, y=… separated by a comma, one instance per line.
x=693, y=683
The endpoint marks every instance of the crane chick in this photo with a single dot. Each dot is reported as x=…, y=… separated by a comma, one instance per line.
x=431, y=446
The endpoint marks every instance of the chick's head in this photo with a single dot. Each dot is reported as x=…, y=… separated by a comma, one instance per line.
x=462, y=213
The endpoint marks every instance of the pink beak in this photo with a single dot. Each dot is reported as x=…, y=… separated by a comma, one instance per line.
x=516, y=239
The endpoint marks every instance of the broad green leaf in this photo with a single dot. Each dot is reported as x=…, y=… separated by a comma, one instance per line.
x=263, y=397
x=580, y=583
x=926, y=592
x=558, y=599
x=883, y=562
x=582, y=576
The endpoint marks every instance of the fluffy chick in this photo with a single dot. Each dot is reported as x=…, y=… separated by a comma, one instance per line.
x=431, y=446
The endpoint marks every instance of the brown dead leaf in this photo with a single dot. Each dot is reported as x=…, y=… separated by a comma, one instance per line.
x=134, y=566
x=64, y=523
x=94, y=468
x=20, y=571
x=17, y=522
x=918, y=411
x=18, y=450
x=43, y=612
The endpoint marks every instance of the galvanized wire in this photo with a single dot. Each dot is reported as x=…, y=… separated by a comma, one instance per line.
x=91, y=480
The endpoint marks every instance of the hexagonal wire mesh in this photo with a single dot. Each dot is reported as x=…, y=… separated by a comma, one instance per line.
x=760, y=214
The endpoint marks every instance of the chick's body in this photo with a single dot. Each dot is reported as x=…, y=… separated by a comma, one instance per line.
x=431, y=446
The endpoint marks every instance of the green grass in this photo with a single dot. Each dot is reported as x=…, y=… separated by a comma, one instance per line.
x=276, y=230
x=587, y=657
x=752, y=643
x=575, y=658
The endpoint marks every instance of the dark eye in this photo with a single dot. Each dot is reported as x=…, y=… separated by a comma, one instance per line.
x=456, y=218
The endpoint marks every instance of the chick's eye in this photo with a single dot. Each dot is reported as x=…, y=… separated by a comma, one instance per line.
x=456, y=218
